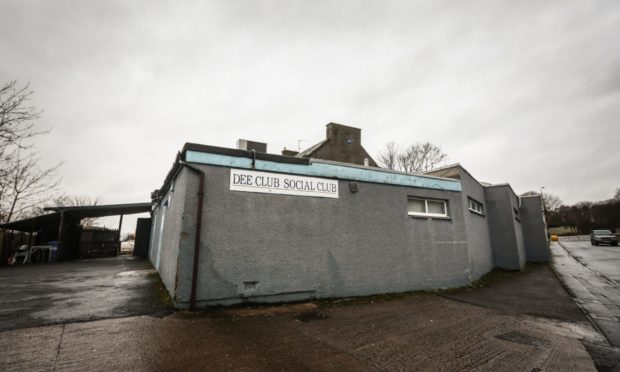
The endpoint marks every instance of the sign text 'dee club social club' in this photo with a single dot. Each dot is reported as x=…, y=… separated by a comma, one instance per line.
x=285, y=184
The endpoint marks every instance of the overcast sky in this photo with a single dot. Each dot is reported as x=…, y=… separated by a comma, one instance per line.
x=525, y=92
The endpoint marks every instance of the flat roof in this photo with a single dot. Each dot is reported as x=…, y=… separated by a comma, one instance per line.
x=37, y=223
x=233, y=158
x=52, y=220
x=102, y=210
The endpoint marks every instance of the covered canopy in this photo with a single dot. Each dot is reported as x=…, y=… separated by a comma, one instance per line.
x=77, y=212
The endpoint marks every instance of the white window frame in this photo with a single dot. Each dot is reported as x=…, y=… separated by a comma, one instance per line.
x=516, y=213
x=475, y=203
x=426, y=214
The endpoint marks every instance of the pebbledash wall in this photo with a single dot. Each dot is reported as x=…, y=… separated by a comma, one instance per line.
x=269, y=247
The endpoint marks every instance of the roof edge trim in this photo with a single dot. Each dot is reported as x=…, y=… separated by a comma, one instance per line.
x=321, y=169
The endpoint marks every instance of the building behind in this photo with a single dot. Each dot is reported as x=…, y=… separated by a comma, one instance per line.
x=236, y=225
x=342, y=143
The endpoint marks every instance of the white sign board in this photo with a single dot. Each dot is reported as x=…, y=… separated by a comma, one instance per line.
x=285, y=184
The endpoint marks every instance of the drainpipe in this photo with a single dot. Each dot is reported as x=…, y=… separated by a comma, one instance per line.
x=200, y=194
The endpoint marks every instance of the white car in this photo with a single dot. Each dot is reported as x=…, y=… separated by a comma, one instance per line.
x=603, y=236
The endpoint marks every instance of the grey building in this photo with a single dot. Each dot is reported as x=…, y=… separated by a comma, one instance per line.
x=509, y=228
x=342, y=143
x=237, y=225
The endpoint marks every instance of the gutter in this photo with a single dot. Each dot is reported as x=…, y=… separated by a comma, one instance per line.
x=197, y=234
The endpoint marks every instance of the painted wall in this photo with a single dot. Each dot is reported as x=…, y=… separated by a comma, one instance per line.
x=168, y=231
x=154, y=244
x=269, y=248
x=534, y=232
x=477, y=227
x=504, y=229
x=276, y=248
x=518, y=226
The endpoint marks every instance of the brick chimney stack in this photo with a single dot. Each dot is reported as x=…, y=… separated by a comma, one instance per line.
x=342, y=134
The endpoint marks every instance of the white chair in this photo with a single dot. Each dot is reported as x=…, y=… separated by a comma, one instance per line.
x=23, y=251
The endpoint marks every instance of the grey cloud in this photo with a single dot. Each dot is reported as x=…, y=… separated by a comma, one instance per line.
x=513, y=90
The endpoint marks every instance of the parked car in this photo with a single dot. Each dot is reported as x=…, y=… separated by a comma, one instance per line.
x=603, y=236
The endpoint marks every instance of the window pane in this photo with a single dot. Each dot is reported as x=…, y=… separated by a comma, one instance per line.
x=417, y=206
x=436, y=207
x=476, y=206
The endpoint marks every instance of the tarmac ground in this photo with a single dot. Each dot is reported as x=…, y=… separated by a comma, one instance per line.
x=592, y=275
x=509, y=321
x=80, y=290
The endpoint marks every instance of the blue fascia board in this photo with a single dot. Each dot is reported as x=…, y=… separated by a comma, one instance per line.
x=325, y=170
x=217, y=159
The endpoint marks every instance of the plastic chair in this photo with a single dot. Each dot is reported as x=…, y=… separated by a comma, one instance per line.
x=23, y=251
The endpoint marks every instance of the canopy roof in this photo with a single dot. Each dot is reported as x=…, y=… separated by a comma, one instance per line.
x=52, y=220
x=102, y=210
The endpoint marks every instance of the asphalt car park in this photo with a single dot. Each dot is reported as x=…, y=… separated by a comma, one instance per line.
x=535, y=326
x=113, y=314
x=79, y=290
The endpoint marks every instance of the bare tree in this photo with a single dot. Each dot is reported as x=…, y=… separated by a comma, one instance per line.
x=23, y=183
x=65, y=200
x=584, y=204
x=410, y=159
x=16, y=116
x=26, y=185
x=431, y=155
x=388, y=157
x=550, y=201
x=419, y=157
x=617, y=194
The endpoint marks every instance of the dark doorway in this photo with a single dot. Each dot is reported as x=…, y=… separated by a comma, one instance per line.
x=143, y=237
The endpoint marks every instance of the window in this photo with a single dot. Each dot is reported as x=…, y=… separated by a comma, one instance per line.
x=427, y=207
x=475, y=206
x=516, y=212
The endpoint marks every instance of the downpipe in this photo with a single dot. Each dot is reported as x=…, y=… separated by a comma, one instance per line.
x=197, y=234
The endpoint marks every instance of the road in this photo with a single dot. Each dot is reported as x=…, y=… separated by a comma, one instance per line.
x=592, y=274
x=603, y=259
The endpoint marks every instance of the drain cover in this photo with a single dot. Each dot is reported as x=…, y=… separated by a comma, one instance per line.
x=309, y=316
x=521, y=338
